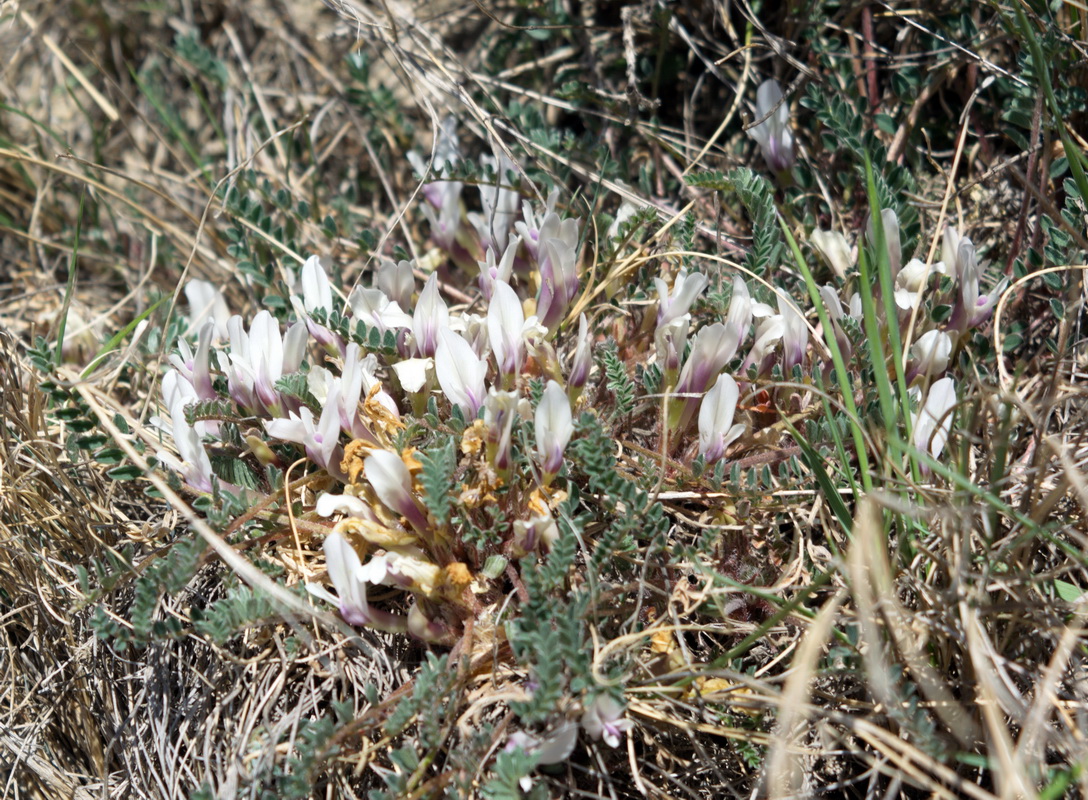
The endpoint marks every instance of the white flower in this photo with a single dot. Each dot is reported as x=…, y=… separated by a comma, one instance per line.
x=890, y=222
x=396, y=281
x=558, y=279
x=500, y=204
x=194, y=465
x=258, y=359
x=603, y=719
x=505, y=329
x=392, y=483
x=554, y=427
x=430, y=316
x=833, y=246
x=460, y=373
x=376, y=310
x=321, y=439
x=344, y=568
x=207, y=303
x=931, y=353
x=933, y=421
x=712, y=349
x=716, y=428
x=685, y=290
x=794, y=334
x=773, y=133
x=490, y=271
x=413, y=373
x=583, y=357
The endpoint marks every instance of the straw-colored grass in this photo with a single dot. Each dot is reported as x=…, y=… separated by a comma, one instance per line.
x=945, y=664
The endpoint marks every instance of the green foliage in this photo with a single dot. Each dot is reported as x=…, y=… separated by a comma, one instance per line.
x=242, y=609
x=618, y=381
x=757, y=197
x=437, y=478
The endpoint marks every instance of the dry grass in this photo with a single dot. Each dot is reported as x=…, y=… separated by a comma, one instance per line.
x=94, y=95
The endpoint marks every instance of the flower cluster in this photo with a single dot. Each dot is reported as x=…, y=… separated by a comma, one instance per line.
x=317, y=382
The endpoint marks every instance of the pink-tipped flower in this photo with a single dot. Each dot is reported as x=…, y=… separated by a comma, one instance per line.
x=685, y=290
x=530, y=535
x=712, y=349
x=716, y=428
x=344, y=567
x=320, y=438
x=430, y=316
x=392, y=483
x=194, y=466
x=972, y=307
x=603, y=719
x=554, y=427
x=349, y=577
x=500, y=411
x=558, y=280
x=196, y=369
x=460, y=373
x=933, y=420
x=670, y=340
x=773, y=133
x=258, y=359
x=491, y=271
x=396, y=280
x=506, y=330
x=316, y=296
x=582, y=362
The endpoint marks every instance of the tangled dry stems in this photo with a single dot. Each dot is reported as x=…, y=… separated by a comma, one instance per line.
x=998, y=661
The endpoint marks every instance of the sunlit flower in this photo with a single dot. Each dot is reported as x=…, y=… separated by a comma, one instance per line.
x=344, y=567
x=460, y=373
x=396, y=280
x=430, y=316
x=196, y=368
x=259, y=358
x=194, y=465
x=505, y=329
x=320, y=438
x=716, y=428
x=773, y=133
x=554, y=427
x=685, y=290
x=392, y=483
x=375, y=310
